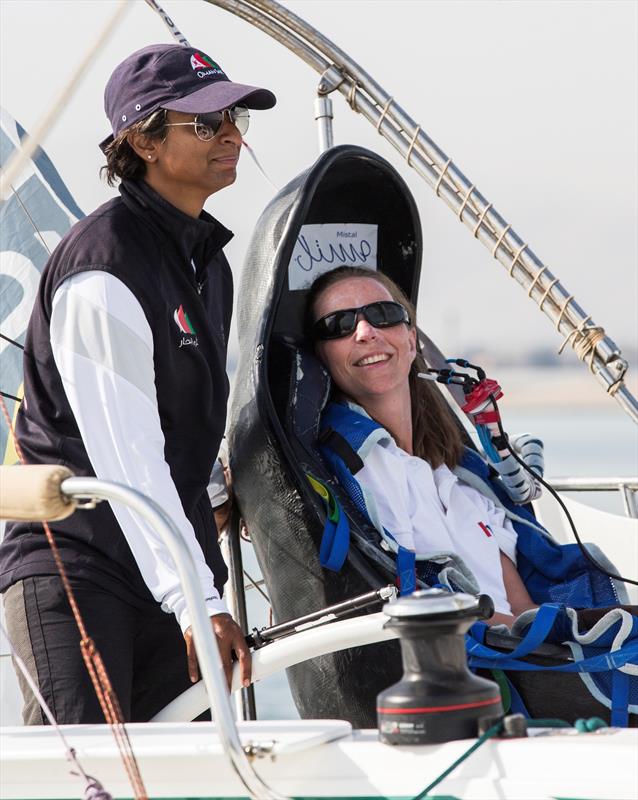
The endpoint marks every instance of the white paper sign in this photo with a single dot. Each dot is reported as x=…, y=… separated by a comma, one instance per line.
x=320, y=248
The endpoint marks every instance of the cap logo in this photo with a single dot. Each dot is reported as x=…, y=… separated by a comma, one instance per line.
x=206, y=64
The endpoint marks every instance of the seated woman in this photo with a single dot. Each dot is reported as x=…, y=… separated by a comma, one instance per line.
x=364, y=331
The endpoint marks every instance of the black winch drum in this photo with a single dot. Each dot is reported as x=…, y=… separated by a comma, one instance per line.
x=438, y=699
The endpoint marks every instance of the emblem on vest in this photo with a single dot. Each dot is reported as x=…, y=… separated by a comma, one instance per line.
x=189, y=337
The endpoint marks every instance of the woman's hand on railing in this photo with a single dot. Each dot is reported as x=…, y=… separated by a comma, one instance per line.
x=229, y=639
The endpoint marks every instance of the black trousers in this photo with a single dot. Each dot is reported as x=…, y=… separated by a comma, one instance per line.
x=142, y=648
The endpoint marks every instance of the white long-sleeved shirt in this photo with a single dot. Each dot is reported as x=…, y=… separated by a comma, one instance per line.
x=430, y=511
x=103, y=349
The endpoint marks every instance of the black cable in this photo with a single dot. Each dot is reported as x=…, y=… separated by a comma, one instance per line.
x=21, y=346
x=11, y=341
x=557, y=497
x=11, y=397
x=447, y=376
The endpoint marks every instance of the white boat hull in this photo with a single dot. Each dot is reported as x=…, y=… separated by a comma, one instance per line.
x=320, y=759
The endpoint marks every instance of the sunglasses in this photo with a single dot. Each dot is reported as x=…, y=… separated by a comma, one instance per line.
x=207, y=125
x=382, y=314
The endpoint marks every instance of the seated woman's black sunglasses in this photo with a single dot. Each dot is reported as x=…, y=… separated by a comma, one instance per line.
x=382, y=314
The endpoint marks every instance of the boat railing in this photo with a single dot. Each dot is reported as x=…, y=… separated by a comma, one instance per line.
x=340, y=73
x=84, y=493
x=626, y=487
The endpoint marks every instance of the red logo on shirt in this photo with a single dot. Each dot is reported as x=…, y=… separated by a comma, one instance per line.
x=486, y=529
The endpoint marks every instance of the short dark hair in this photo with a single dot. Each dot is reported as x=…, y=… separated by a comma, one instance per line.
x=122, y=162
x=435, y=434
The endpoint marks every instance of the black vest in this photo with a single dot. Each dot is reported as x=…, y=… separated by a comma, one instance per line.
x=148, y=244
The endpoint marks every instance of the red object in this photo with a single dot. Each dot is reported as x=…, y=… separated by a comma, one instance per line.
x=485, y=528
x=481, y=394
x=486, y=417
x=435, y=709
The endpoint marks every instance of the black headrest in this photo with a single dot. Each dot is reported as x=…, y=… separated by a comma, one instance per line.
x=350, y=191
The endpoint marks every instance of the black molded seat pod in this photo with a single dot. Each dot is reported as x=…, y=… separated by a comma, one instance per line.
x=279, y=391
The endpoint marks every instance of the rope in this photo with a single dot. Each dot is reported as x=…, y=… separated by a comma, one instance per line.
x=30, y=144
x=468, y=194
x=572, y=334
x=535, y=281
x=412, y=143
x=563, y=309
x=95, y=791
x=441, y=176
x=517, y=255
x=92, y=658
x=585, y=345
x=581, y=725
x=549, y=288
x=480, y=219
x=384, y=111
x=499, y=241
x=91, y=783
x=489, y=733
x=352, y=100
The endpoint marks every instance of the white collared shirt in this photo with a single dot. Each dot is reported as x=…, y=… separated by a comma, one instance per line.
x=429, y=511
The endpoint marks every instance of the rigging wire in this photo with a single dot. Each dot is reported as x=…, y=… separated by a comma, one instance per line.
x=38, y=233
x=10, y=396
x=11, y=341
x=91, y=782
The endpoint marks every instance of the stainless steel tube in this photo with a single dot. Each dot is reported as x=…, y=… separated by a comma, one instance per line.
x=207, y=652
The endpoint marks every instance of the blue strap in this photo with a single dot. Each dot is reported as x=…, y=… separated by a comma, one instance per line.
x=619, y=699
x=406, y=566
x=537, y=633
x=478, y=631
x=603, y=662
x=335, y=542
x=517, y=706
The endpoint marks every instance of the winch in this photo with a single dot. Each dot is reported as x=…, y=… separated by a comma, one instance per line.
x=438, y=699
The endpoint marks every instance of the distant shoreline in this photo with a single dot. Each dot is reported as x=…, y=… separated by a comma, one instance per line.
x=573, y=387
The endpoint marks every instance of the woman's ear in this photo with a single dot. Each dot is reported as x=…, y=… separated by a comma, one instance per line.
x=319, y=352
x=145, y=147
x=413, y=347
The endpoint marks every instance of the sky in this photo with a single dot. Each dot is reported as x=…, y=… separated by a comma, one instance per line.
x=536, y=102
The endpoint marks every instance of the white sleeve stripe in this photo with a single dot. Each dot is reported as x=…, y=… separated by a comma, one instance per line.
x=103, y=339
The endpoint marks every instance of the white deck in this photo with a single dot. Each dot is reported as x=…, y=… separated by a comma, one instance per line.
x=321, y=759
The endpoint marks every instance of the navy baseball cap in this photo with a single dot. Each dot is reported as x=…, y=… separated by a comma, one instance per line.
x=176, y=78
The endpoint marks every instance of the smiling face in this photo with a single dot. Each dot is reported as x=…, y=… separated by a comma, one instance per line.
x=371, y=365
x=185, y=170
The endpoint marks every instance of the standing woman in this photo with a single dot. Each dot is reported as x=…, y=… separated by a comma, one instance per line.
x=125, y=379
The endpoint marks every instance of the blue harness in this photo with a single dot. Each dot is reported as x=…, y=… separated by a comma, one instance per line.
x=558, y=577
